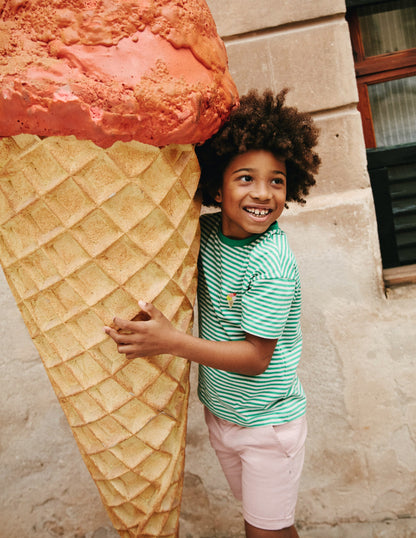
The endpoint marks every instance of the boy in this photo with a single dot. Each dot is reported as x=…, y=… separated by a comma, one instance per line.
x=249, y=301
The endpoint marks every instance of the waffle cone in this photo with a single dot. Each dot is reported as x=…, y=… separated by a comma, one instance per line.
x=84, y=234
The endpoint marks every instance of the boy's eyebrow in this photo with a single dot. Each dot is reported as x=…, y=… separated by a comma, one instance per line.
x=253, y=169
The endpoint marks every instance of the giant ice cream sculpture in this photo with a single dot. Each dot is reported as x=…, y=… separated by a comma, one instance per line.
x=100, y=104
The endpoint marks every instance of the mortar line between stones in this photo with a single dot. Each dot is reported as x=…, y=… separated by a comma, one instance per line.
x=262, y=33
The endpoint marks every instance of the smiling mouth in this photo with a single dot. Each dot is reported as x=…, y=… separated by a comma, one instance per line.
x=257, y=212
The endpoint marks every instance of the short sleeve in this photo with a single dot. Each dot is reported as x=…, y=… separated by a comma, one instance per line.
x=266, y=306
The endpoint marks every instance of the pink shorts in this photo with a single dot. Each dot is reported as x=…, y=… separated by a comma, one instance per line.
x=263, y=465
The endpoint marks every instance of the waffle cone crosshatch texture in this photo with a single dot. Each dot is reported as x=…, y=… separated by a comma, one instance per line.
x=85, y=233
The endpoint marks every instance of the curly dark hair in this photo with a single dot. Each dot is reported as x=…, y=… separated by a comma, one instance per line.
x=262, y=122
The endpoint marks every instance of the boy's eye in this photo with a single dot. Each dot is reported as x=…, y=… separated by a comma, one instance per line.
x=278, y=181
x=245, y=178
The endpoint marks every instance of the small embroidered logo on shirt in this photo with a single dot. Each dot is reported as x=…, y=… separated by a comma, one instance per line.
x=231, y=299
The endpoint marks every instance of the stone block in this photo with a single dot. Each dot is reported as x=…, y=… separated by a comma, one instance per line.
x=341, y=148
x=314, y=62
x=335, y=238
x=240, y=16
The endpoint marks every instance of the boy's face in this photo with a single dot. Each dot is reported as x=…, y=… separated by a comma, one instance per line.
x=253, y=193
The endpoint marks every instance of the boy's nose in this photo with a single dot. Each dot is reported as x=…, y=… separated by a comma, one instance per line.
x=261, y=192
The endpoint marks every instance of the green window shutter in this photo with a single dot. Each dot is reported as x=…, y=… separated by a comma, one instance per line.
x=393, y=180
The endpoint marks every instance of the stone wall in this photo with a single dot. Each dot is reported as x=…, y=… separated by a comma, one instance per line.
x=358, y=362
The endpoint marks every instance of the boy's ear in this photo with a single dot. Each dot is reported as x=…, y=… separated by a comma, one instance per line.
x=218, y=196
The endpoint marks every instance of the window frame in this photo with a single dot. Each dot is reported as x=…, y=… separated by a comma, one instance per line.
x=374, y=69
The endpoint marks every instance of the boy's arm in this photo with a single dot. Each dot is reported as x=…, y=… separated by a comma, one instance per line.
x=157, y=335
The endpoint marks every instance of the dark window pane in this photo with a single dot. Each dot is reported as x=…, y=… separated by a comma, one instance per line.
x=388, y=27
x=393, y=107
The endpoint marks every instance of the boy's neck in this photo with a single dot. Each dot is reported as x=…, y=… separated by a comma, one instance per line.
x=232, y=241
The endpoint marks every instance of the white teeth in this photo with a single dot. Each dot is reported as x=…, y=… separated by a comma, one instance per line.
x=258, y=212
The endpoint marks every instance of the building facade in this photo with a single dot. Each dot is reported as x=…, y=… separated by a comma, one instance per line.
x=358, y=365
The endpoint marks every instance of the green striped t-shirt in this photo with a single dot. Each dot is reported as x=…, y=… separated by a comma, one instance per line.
x=250, y=286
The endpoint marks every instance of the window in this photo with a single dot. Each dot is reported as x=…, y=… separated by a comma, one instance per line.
x=383, y=36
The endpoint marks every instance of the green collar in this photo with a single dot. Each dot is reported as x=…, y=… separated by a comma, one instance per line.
x=243, y=242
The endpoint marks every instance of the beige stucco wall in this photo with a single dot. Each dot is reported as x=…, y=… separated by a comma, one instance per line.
x=360, y=347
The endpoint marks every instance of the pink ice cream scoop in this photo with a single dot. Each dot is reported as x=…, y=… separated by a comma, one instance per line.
x=154, y=71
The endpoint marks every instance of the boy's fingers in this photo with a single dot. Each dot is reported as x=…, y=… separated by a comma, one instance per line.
x=125, y=325
x=119, y=338
x=123, y=347
x=130, y=325
x=110, y=331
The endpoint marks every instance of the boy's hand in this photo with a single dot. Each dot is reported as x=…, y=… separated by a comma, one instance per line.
x=143, y=338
